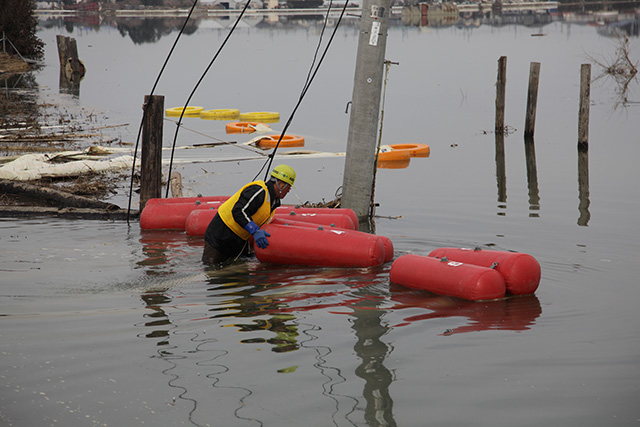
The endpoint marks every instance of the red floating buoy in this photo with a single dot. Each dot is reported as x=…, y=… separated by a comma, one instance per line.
x=521, y=271
x=321, y=247
x=328, y=217
x=451, y=278
x=201, y=199
x=198, y=219
x=388, y=248
x=171, y=213
x=293, y=210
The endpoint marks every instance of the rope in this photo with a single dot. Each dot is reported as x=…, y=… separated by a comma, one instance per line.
x=146, y=106
x=196, y=87
x=310, y=77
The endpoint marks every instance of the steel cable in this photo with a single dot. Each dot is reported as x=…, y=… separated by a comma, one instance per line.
x=145, y=106
x=307, y=84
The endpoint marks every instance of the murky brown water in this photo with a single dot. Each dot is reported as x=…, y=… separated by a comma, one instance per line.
x=103, y=324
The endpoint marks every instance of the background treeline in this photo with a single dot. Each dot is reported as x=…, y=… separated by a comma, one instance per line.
x=18, y=25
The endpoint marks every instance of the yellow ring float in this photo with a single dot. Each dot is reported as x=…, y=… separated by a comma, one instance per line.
x=242, y=127
x=222, y=114
x=260, y=116
x=188, y=111
x=270, y=141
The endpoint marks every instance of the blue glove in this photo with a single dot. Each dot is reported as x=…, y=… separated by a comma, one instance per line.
x=259, y=236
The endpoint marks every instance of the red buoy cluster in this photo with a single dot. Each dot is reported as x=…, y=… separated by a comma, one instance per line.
x=326, y=237
x=299, y=236
x=473, y=274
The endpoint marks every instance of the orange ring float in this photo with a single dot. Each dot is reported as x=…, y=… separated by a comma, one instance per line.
x=270, y=141
x=242, y=127
x=401, y=151
x=393, y=155
x=415, y=150
x=394, y=164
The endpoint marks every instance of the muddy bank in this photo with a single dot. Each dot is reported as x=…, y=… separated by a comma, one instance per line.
x=28, y=126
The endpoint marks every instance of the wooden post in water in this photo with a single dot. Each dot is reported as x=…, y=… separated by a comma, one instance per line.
x=365, y=109
x=501, y=89
x=585, y=99
x=532, y=100
x=151, y=156
x=72, y=69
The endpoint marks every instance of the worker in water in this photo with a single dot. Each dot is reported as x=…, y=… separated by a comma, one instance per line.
x=241, y=216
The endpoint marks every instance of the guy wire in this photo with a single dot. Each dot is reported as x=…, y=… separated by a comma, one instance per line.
x=175, y=137
x=145, y=106
x=306, y=85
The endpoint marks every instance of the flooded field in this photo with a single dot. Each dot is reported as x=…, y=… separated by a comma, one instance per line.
x=105, y=324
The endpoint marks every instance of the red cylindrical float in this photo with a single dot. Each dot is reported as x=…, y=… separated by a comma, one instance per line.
x=521, y=271
x=388, y=248
x=171, y=213
x=166, y=216
x=452, y=278
x=326, y=247
x=198, y=220
x=284, y=220
x=201, y=199
x=326, y=217
x=292, y=210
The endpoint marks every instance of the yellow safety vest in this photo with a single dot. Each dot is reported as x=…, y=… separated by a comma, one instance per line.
x=262, y=216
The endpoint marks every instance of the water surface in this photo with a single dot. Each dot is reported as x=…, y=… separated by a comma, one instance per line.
x=104, y=324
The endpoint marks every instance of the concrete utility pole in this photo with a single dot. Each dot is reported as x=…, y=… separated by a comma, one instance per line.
x=365, y=108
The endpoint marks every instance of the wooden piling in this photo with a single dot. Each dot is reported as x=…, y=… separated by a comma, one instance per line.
x=151, y=156
x=583, y=114
x=532, y=100
x=501, y=90
x=67, y=48
x=175, y=183
x=72, y=69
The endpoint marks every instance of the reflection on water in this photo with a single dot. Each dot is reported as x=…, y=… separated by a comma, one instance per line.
x=268, y=304
x=164, y=249
x=532, y=177
x=246, y=295
x=501, y=173
x=513, y=314
x=583, y=185
x=159, y=320
x=276, y=306
x=151, y=29
x=372, y=351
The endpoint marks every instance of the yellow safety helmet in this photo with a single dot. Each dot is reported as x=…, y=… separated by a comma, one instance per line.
x=284, y=173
